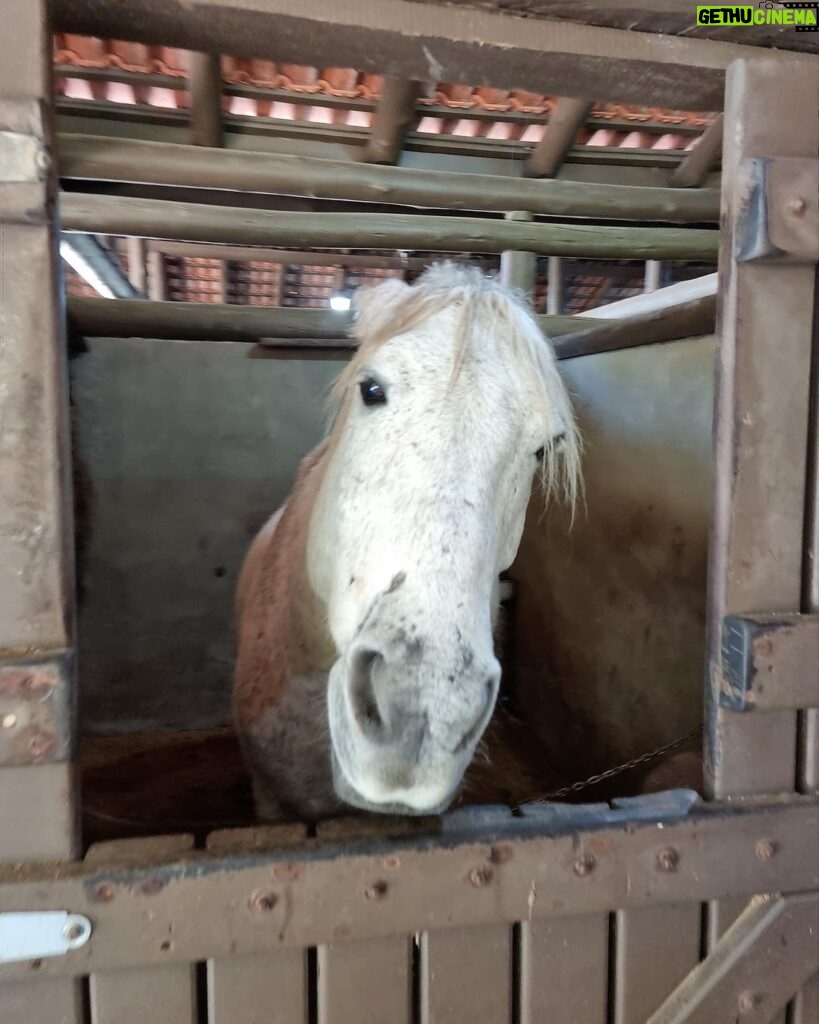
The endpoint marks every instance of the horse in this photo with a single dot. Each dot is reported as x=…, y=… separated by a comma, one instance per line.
x=366, y=670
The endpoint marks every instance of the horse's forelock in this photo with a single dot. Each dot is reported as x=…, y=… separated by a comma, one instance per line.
x=391, y=310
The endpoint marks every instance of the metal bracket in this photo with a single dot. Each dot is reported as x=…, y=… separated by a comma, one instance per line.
x=779, y=217
x=34, y=935
x=770, y=662
x=35, y=710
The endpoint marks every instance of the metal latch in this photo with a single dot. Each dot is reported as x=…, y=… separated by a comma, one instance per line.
x=33, y=935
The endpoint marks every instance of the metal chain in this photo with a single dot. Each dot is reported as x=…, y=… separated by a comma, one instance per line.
x=652, y=755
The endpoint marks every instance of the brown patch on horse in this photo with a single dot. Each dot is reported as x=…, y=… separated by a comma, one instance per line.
x=281, y=624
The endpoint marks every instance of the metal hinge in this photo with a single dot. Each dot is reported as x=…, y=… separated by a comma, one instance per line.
x=33, y=935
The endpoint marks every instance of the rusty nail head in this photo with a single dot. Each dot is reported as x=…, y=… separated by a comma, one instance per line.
x=377, y=891
x=8, y=721
x=798, y=206
x=74, y=931
x=765, y=849
x=746, y=1002
x=104, y=892
x=262, y=900
x=392, y=863
x=583, y=865
x=480, y=877
x=668, y=859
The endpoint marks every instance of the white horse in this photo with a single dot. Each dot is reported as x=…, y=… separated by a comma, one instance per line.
x=366, y=672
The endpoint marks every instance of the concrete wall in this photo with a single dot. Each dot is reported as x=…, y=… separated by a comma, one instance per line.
x=186, y=448
x=610, y=627
x=183, y=450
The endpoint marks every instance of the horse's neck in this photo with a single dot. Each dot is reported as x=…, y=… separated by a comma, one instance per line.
x=283, y=635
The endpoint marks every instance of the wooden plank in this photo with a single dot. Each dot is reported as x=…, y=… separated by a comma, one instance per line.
x=88, y=157
x=395, y=114
x=770, y=662
x=806, y=1005
x=566, y=120
x=555, y=293
x=763, y=958
x=702, y=159
x=265, y=988
x=718, y=849
x=466, y=975
x=432, y=42
x=654, y=950
x=162, y=994
x=761, y=414
x=201, y=222
x=564, y=970
x=366, y=981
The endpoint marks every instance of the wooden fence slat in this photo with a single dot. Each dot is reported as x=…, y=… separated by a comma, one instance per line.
x=260, y=988
x=564, y=970
x=806, y=1004
x=365, y=982
x=466, y=975
x=165, y=994
x=654, y=950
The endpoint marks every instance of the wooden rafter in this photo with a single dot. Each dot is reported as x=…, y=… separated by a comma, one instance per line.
x=703, y=157
x=395, y=114
x=567, y=119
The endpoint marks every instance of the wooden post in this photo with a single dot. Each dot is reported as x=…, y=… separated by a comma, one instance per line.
x=37, y=793
x=653, y=275
x=567, y=119
x=519, y=269
x=694, y=168
x=157, y=281
x=762, y=410
x=206, y=99
x=395, y=114
x=136, y=263
x=555, y=287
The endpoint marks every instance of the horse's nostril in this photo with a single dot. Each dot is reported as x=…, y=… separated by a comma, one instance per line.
x=362, y=690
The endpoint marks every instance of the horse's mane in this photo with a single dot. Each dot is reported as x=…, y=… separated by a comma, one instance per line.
x=391, y=309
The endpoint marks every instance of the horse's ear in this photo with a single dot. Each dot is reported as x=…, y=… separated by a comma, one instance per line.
x=375, y=305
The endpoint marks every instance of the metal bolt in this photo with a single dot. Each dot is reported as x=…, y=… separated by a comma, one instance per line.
x=480, y=877
x=262, y=900
x=765, y=849
x=74, y=931
x=583, y=865
x=8, y=721
x=746, y=1002
x=668, y=859
x=104, y=892
x=797, y=206
x=377, y=891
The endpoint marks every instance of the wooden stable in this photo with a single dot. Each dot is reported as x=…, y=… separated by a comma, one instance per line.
x=651, y=909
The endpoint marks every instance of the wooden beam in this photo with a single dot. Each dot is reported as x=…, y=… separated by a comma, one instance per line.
x=394, y=116
x=157, y=280
x=687, y=320
x=567, y=119
x=653, y=276
x=754, y=969
x=206, y=99
x=96, y=158
x=431, y=41
x=664, y=298
x=198, y=222
x=135, y=248
x=292, y=257
x=200, y=321
x=518, y=270
x=96, y=265
x=702, y=159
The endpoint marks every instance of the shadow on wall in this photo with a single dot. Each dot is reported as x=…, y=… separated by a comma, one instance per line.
x=610, y=629
x=184, y=450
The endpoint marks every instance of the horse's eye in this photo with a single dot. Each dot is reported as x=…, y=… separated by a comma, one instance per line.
x=372, y=393
x=540, y=453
